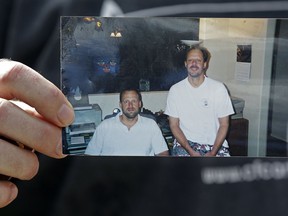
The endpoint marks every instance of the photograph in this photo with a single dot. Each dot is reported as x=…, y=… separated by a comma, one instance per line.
x=134, y=83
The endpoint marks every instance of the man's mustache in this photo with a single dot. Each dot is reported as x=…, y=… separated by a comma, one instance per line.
x=194, y=67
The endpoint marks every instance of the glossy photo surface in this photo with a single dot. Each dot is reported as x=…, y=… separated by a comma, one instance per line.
x=102, y=56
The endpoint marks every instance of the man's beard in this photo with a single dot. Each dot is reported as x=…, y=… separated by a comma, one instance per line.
x=197, y=74
x=131, y=115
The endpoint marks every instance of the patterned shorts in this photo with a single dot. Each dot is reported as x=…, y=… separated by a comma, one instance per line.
x=178, y=150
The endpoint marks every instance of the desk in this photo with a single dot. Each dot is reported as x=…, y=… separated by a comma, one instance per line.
x=237, y=137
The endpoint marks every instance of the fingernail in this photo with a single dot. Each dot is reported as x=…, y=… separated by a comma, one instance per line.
x=66, y=114
x=14, y=191
x=59, y=149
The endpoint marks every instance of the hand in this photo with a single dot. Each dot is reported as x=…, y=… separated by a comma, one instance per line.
x=195, y=154
x=209, y=154
x=37, y=128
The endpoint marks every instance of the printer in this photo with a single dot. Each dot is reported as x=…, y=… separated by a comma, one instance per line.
x=78, y=134
x=238, y=105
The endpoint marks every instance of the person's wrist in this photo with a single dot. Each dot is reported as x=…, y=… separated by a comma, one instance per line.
x=213, y=152
x=193, y=153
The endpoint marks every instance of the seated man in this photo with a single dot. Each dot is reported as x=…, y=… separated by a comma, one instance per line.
x=128, y=133
x=199, y=108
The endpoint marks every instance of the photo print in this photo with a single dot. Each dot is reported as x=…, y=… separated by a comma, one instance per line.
x=101, y=56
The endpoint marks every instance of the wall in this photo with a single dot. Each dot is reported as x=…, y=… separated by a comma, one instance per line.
x=221, y=37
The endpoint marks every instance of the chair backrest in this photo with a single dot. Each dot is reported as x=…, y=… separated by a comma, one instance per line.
x=110, y=116
x=148, y=116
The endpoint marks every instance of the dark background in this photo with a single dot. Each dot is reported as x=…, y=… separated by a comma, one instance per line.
x=150, y=50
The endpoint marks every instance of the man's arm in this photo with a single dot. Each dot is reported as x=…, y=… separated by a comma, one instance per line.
x=180, y=137
x=164, y=153
x=221, y=135
x=95, y=145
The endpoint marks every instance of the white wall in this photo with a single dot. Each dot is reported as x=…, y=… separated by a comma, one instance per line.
x=221, y=37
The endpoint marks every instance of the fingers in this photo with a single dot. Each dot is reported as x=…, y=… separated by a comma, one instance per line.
x=8, y=192
x=18, y=125
x=17, y=162
x=21, y=82
x=37, y=125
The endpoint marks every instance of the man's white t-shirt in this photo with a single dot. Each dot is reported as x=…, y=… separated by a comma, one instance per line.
x=112, y=137
x=198, y=109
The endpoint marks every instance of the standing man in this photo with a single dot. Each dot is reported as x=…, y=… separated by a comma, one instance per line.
x=128, y=133
x=198, y=108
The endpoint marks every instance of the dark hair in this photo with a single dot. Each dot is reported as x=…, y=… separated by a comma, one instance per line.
x=131, y=89
x=206, y=54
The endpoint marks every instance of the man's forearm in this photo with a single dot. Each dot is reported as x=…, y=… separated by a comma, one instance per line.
x=182, y=140
x=221, y=135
